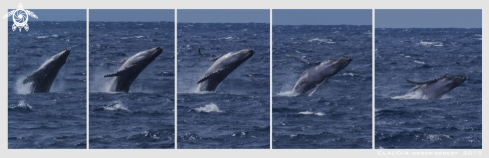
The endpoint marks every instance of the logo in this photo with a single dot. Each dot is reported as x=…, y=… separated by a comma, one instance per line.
x=20, y=17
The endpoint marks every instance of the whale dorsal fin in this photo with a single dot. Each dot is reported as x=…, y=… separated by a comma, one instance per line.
x=121, y=72
x=33, y=76
x=215, y=73
x=305, y=62
x=211, y=59
x=317, y=86
x=422, y=82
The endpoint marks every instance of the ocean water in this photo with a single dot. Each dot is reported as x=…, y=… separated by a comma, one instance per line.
x=47, y=120
x=339, y=114
x=237, y=113
x=452, y=122
x=144, y=117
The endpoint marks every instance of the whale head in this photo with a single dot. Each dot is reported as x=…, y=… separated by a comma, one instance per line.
x=244, y=54
x=450, y=82
x=340, y=62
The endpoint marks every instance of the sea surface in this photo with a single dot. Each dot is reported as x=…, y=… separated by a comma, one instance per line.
x=144, y=117
x=237, y=113
x=47, y=120
x=406, y=122
x=339, y=114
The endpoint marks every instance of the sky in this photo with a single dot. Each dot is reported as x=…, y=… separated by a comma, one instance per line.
x=322, y=17
x=223, y=15
x=428, y=18
x=136, y=15
x=57, y=15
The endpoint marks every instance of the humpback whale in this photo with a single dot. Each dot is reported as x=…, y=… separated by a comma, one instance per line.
x=435, y=88
x=131, y=68
x=222, y=67
x=43, y=78
x=316, y=75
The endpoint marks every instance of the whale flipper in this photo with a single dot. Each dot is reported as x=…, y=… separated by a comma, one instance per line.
x=33, y=77
x=317, y=86
x=422, y=82
x=211, y=75
x=125, y=71
x=210, y=59
x=305, y=62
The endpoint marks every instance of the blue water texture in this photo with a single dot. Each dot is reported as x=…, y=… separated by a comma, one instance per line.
x=237, y=114
x=56, y=119
x=144, y=117
x=420, y=54
x=339, y=114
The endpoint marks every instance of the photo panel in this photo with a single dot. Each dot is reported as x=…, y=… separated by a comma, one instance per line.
x=428, y=79
x=322, y=79
x=131, y=67
x=223, y=79
x=47, y=79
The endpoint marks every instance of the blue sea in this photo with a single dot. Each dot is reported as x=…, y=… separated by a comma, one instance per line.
x=144, y=117
x=339, y=114
x=47, y=120
x=452, y=122
x=237, y=114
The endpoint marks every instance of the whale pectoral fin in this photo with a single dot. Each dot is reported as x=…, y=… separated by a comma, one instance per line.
x=305, y=62
x=211, y=59
x=34, y=76
x=422, y=82
x=317, y=86
x=121, y=72
x=213, y=74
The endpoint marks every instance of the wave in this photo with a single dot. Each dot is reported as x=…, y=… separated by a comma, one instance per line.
x=208, y=108
x=321, y=40
x=429, y=44
x=115, y=106
x=311, y=113
x=419, y=62
x=23, y=106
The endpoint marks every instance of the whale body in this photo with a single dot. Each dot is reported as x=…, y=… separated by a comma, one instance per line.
x=43, y=78
x=316, y=75
x=131, y=68
x=222, y=67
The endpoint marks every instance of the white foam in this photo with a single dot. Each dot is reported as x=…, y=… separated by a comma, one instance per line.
x=348, y=74
x=288, y=94
x=311, y=113
x=208, y=108
x=321, y=40
x=42, y=36
x=55, y=35
x=227, y=38
x=21, y=88
x=24, y=105
x=429, y=44
x=419, y=62
x=414, y=95
x=116, y=106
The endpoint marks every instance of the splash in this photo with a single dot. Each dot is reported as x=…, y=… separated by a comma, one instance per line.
x=288, y=94
x=429, y=44
x=22, y=106
x=413, y=95
x=116, y=106
x=21, y=88
x=208, y=108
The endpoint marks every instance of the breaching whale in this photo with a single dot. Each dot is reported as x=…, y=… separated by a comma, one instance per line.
x=222, y=67
x=435, y=88
x=316, y=75
x=131, y=68
x=43, y=78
